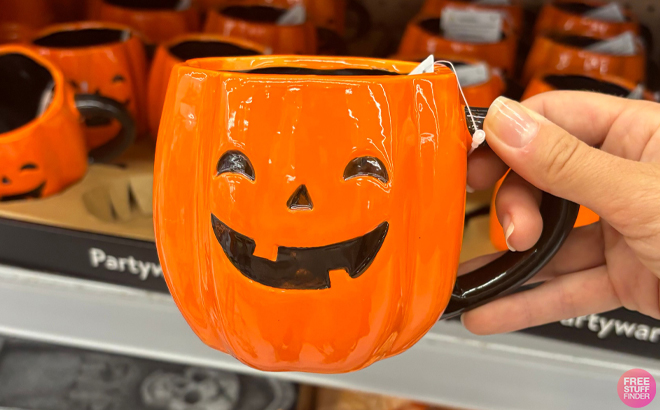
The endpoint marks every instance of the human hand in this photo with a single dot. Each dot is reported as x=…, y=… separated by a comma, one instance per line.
x=547, y=140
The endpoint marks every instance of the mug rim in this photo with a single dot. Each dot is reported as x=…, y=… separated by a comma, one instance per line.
x=220, y=66
x=629, y=17
x=212, y=38
x=58, y=92
x=555, y=40
x=219, y=11
x=106, y=3
x=80, y=26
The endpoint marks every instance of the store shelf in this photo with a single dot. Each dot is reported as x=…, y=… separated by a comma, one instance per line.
x=448, y=366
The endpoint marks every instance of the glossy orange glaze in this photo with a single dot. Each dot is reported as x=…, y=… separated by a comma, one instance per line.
x=14, y=32
x=514, y=11
x=305, y=129
x=417, y=41
x=554, y=20
x=537, y=85
x=547, y=54
x=116, y=70
x=323, y=13
x=53, y=142
x=29, y=13
x=293, y=39
x=164, y=61
x=585, y=217
x=156, y=25
x=477, y=95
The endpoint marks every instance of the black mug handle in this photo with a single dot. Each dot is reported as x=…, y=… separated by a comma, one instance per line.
x=92, y=105
x=508, y=272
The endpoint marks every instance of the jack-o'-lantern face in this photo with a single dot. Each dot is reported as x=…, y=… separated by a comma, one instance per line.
x=308, y=211
x=41, y=144
x=28, y=181
x=103, y=59
x=301, y=267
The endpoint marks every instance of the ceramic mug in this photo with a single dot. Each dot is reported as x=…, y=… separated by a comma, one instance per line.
x=308, y=211
x=42, y=147
x=568, y=53
x=423, y=35
x=187, y=47
x=513, y=11
x=568, y=17
x=258, y=23
x=105, y=59
x=477, y=95
x=156, y=20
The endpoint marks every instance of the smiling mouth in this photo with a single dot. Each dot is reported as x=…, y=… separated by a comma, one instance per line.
x=299, y=268
x=35, y=193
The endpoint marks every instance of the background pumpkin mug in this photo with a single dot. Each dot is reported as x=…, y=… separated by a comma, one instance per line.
x=308, y=211
x=259, y=23
x=42, y=147
x=186, y=47
x=104, y=59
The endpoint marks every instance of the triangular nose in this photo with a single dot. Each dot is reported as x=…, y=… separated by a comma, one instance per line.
x=300, y=200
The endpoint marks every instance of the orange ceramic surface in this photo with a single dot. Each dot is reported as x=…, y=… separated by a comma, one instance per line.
x=293, y=141
x=607, y=84
x=476, y=95
x=183, y=48
x=257, y=23
x=566, y=17
x=558, y=53
x=514, y=11
x=14, y=32
x=585, y=217
x=39, y=154
x=156, y=21
x=330, y=14
x=30, y=13
x=99, y=58
x=423, y=36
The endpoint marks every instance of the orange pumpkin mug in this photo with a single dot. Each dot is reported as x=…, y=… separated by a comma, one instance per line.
x=259, y=23
x=424, y=35
x=105, y=59
x=568, y=17
x=187, y=47
x=570, y=54
x=308, y=211
x=42, y=147
x=156, y=20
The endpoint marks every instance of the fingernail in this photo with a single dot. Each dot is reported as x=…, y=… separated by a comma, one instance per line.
x=507, y=235
x=510, y=122
x=469, y=189
x=462, y=320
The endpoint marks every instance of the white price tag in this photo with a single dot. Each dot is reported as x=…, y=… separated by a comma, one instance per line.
x=183, y=5
x=621, y=45
x=473, y=74
x=296, y=15
x=471, y=25
x=424, y=67
x=637, y=93
x=612, y=12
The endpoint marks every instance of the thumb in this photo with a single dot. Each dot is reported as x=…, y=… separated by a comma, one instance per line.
x=557, y=162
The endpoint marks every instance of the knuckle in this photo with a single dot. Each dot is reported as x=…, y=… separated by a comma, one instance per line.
x=561, y=158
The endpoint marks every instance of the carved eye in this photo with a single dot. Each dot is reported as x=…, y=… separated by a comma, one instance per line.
x=236, y=162
x=369, y=166
x=118, y=78
x=27, y=166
